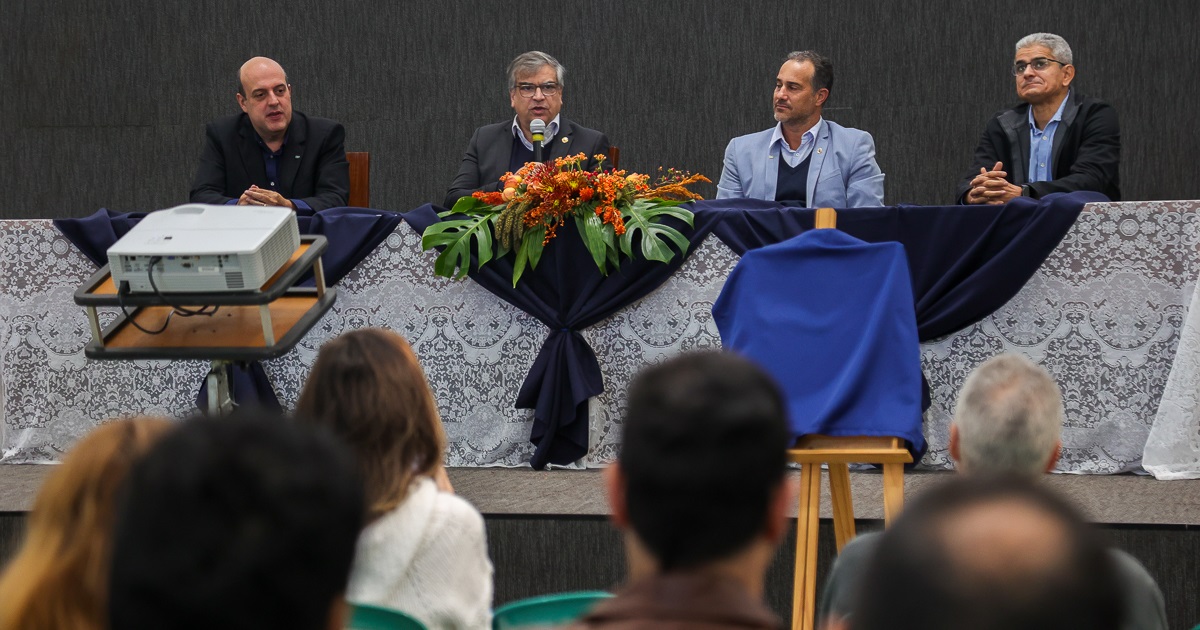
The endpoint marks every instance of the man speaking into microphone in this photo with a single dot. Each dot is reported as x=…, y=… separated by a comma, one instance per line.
x=535, y=91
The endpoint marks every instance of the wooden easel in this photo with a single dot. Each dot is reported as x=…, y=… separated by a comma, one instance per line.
x=811, y=451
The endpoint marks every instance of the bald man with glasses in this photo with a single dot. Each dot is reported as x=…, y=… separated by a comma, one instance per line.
x=535, y=91
x=1056, y=140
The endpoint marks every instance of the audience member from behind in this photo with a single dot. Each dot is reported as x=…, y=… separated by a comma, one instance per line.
x=269, y=155
x=59, y=577
x=243, y=522
x=1008, y=421
x=989, y=553
x=700, y=494
x=424, y=550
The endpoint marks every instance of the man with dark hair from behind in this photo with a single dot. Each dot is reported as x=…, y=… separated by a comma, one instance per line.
x=244, y=522
x=700, y=494
x=988, y=553
x=1007, y=421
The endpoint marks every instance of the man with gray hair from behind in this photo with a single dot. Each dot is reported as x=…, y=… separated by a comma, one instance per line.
x=1008, y=421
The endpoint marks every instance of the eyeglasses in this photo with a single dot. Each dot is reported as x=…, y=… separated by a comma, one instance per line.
x=1038, y=63
x=528, y=89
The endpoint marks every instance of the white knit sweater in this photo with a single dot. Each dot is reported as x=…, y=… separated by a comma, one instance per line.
x=428, y=558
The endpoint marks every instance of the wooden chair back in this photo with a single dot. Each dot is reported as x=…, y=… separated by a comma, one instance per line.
x=614, y=157
x=360, y=179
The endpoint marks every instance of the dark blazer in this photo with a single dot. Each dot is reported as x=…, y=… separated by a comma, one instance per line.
x=313, y=168
x=490, y=149
x=1086, y=154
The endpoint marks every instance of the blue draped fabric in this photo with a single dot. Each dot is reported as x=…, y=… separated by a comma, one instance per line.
x=567, y=293
x=353, y=233
x=965, y=261
x=831, y=318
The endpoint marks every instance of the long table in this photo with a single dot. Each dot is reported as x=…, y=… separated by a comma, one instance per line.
x=1104, y=313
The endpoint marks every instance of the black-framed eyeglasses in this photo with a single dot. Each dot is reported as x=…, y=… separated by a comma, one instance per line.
x=527, y=90
x=1038, y=63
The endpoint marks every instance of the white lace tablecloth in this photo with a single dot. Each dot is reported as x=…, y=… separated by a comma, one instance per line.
x=1104, y=314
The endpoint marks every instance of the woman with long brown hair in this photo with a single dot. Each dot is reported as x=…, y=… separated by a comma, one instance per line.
x=424, y=550
x=59, y=577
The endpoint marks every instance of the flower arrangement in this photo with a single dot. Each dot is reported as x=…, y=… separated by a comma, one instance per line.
x=608, y=207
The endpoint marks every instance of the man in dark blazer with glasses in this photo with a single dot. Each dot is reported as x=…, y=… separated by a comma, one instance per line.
x=535, y=89
x=1057, y=140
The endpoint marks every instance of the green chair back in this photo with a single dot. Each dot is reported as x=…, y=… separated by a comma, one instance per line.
x=368, y=617
x=546, y=610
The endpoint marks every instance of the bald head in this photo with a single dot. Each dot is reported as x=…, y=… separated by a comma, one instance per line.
x=266, y=97
x=256, y=66
x=989, y=553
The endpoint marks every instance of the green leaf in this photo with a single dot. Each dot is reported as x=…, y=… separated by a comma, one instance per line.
x=468, y=205
x=456, y=236
x=534, y=243
x=530, y=251
x=645, y=216
x=591, y=229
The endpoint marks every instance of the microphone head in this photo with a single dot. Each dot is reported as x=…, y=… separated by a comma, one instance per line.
x=537, y=129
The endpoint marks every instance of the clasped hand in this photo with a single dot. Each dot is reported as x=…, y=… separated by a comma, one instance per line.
x=990, y=187
x=255, y=196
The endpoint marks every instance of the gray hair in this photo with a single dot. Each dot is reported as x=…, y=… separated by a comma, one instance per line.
x=822, y=68
x=1009, y=417
x=529, y=63
x=1057, y=45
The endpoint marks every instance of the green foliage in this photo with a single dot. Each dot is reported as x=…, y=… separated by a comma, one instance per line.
x=643, y=216
x=456, y=235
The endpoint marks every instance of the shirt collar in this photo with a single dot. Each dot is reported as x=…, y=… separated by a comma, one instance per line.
x=551, y=131
x=262, y=144
x=809, y=136
x=1057, y=117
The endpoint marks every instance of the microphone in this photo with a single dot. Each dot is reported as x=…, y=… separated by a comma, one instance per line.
x=537, y=129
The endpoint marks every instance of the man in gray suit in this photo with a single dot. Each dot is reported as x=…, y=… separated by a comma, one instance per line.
x=804, y=158
x=535, y=90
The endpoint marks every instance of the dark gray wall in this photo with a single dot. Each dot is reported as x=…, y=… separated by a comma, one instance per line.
x=538, y=555
x=103, y=102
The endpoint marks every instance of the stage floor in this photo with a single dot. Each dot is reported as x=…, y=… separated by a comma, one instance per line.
x=1107, y=499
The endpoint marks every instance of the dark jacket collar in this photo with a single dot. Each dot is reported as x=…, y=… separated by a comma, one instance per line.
x=1015, y=123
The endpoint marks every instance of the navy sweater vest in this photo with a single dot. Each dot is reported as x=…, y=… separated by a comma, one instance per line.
x=792, y=184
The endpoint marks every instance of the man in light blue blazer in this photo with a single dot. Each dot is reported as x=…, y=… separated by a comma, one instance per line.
x=804, y=158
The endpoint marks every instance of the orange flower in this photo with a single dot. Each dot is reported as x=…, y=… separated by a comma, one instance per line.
x=586, y=193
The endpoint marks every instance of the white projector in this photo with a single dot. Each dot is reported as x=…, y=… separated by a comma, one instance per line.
x=197, y=248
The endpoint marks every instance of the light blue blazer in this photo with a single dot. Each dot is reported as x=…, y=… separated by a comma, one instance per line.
x=842, y=174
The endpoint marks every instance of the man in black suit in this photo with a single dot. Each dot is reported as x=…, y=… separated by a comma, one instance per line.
x=535, y=88
x=268, y=155
x=1056, y=141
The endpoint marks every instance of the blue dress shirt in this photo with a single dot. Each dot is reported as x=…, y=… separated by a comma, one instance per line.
x=1041, y=144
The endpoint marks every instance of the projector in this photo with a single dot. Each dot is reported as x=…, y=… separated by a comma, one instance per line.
x=197, y=248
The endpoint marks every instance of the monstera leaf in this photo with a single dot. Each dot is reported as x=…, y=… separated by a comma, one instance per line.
x=644, y=216
x=456, y=235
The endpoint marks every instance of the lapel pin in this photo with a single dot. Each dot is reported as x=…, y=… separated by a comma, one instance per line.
x=297, y=157
x=565, y=140
x=820, y=150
